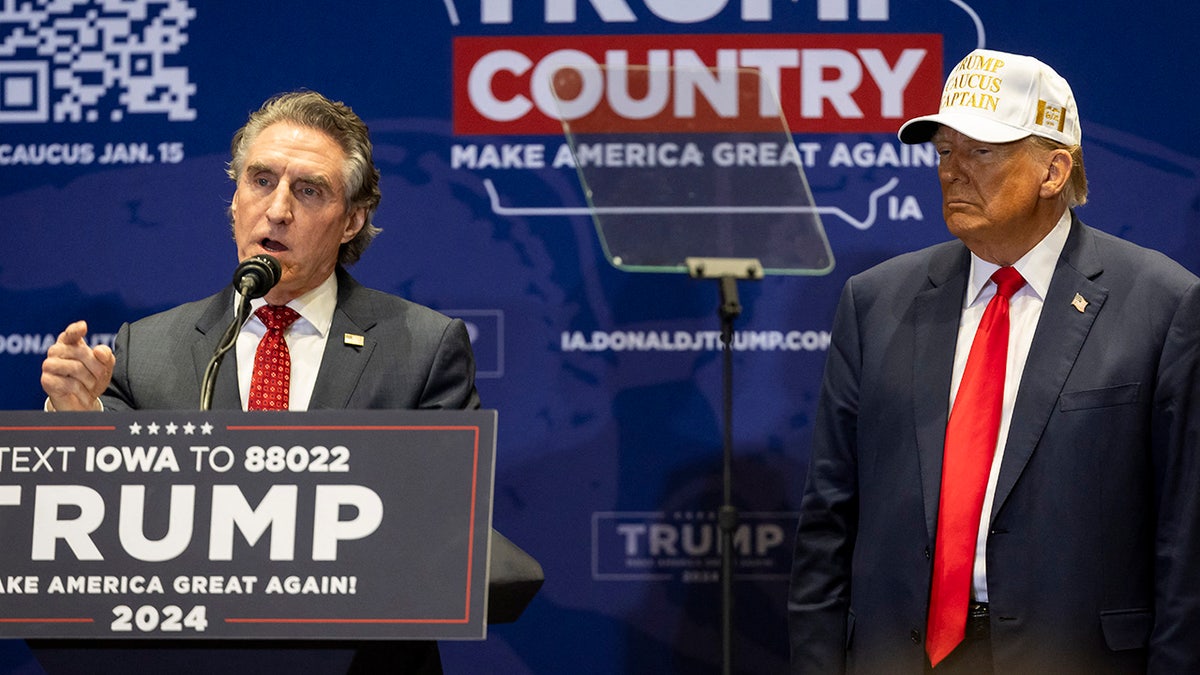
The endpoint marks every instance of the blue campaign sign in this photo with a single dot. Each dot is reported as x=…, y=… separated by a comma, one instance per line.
x=191, y=525
x=115, y=123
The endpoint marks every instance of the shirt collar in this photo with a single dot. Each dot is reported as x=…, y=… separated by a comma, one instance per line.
x=1036, y=266
x=314, y=307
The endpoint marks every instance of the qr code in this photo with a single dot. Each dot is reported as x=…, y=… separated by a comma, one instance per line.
x=90, y=60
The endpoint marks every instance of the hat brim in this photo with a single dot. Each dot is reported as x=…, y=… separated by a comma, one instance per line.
x=921, y=129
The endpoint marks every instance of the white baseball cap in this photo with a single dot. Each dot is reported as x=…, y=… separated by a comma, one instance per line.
x=997, y=97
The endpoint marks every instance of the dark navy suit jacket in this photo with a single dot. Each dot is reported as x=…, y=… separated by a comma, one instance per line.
x=1093, y=554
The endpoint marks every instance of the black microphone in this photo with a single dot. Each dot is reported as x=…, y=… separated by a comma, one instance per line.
x=253, y=277
x=256, y=275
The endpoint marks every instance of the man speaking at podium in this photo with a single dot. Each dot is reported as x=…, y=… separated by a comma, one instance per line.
x=307, y=188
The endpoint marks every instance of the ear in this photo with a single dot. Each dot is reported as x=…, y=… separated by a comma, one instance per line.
x=355, y=223
x=1057, y=173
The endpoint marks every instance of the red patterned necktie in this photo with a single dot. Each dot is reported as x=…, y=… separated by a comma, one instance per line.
x=971, y=436
x=272, y=364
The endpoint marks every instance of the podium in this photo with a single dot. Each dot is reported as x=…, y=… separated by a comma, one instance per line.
x=185, y=529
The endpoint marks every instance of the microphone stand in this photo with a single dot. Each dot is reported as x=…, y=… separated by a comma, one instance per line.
x=227, y=341
x=727, y=271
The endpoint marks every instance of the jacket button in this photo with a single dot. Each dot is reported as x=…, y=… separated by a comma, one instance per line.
x=915, y=636
x=927, y=554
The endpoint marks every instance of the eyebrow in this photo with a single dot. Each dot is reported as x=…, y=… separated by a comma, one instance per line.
x=317, y=180
x=312, y=179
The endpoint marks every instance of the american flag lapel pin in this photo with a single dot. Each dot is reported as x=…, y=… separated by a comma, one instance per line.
x=1079, y=303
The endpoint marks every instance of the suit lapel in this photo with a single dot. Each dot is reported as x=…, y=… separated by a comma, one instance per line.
x=937, y=311
x=210, y=327
x=1057, y=341
x=345, y=358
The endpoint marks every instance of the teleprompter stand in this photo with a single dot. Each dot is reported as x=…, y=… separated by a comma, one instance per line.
x=727, y=272
x=694, y=209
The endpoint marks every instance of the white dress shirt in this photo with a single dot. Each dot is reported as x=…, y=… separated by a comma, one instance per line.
x=305, y=339
x=1025, y=308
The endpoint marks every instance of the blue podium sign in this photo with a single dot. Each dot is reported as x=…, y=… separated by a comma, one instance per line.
x=176, y=524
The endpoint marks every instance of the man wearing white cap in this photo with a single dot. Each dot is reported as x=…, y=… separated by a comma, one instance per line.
x=1005, y=470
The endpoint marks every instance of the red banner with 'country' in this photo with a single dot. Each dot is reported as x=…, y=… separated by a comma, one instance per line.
x=822, y=83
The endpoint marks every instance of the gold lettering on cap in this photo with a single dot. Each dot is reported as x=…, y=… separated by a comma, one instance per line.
x=967, y=99
x=974, y=83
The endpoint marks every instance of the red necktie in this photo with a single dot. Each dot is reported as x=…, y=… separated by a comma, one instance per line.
x=272, y=364
x=971, y=436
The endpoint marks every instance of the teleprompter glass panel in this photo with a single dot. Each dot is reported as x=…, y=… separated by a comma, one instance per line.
x=727, y=182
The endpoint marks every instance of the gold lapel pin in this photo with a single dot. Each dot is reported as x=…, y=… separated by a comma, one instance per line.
x=1079, y=303
x=358, y=341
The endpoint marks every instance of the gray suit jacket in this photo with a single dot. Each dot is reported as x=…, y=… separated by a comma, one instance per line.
x=1094, y=544
x=411, y=357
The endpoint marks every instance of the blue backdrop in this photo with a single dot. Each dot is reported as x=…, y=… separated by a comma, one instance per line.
x=115, y=119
